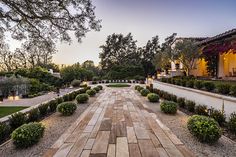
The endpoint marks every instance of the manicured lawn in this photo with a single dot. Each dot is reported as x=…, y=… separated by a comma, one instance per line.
x=118, y=85
x=4, y=110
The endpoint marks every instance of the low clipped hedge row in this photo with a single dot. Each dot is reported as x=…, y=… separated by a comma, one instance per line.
x=18, y=119
x=201, y=110
x=221, y=88
x=191, y=106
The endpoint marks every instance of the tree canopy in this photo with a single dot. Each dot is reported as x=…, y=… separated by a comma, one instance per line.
x=119, y=50
x=47, y=19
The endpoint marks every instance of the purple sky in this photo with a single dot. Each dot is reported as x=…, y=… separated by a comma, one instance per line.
x=147, y=18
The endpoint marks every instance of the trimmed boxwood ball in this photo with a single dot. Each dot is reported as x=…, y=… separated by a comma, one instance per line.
x=27, y=135
x=91, y=92
x=82, y=98
x=144, y=92
x=205, y=129
x=96, y=89
x=100, y=87
x=152, y=97
x=169, y=107
x=66, y=108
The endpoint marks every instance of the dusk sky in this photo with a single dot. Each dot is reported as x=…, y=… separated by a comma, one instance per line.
x=147, y=18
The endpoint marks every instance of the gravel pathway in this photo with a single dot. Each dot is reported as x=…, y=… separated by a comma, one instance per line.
x=55, y=126
x=177, y=123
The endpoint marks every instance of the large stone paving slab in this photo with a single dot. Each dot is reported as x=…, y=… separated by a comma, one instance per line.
x=117, y=124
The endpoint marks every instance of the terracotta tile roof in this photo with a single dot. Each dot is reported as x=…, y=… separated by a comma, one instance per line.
x=218, y=37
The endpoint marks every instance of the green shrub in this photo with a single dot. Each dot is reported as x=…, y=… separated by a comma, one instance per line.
x=218, y=116
x=190, y=105
x=17, y=119
x=177, y=82
x=140, y=88
x=66, y=97
x=66, y=108
x=233, y=90
x=209, y=86
x=100, y=87
x=181, y=102
x=183, y=82
x=166, y=96
x=82, y=98
x=81, y=91
x=136, y=87
x=144, y=92
x=201, y=110
x=223, y=88
x=43, y=109
x=27, y=134
x=96, y=89
x=163, y=79
x=198, y=84
x=33, y=115
x=4, y=131
x=232, y=123
x=76, y=83
x=91, y=92
x=173, y=97
x=169, y=107
x=59, y=100
x=152, y=97
x=190, y=83
x=53, y=105
x=205, y=129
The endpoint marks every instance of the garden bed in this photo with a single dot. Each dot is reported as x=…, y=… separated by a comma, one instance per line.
x=178, y=125
x=55, y=124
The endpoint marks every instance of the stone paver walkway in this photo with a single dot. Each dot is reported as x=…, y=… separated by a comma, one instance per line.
x=118, y=125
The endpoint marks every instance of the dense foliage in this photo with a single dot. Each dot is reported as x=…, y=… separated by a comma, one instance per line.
x=204, y=128
x=27, y=134
x=66, y=108
x=153, y=97
x=169, y=107
x=82, y=98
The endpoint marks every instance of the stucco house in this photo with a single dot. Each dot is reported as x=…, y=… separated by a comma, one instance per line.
x=220, y=49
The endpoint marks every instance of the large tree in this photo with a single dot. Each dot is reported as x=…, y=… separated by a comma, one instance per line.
x=162, y=60
x=148, y=53
x=119, y=50
x=48, y=19
x=187, y=52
